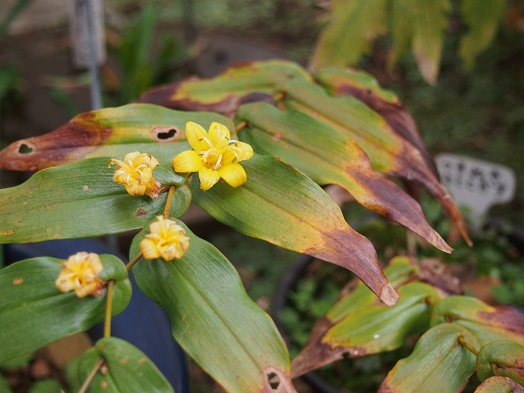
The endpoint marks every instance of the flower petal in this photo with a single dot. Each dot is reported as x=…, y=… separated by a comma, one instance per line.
x=242, y=150
x=187, y=161
x=136, y=189
x=233, y=174
x=208, y=178
x=149, y=249
x=195, y=135
x=219, y=135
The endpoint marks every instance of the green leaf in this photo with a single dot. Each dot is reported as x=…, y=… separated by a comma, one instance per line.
x=126, y=369
x=46, y=386
x=371, y=329
x=256, y=81
x=482, y=19
x=213, y=318
x=499, y=385
x=81, y=200
x=402, y=28
x=34, y=313
x=352, y=26
x=110, y=132
x=501, y=358
x=17, y=362
x=329, y=156
x=389, y=153
x=439, y=362
x=284, y=207
x=4, y=385
x=487, y=323
x=423, y=24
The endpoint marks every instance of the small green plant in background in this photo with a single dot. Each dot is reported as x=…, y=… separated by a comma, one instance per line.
x=146, y=56
x=419, y=25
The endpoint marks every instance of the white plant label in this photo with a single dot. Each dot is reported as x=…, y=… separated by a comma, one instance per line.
x=475, y=184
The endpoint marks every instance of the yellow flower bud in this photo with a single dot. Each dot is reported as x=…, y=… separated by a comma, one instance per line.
x=136, y=174
x=166, y=240
x=80, y=273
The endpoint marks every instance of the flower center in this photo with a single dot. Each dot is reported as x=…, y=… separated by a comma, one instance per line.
x=212, y=158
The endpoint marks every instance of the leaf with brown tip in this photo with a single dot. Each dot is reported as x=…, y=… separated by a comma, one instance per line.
x=371, y=329
x=110, y=132
x=389, y=153
x=487, y=323
x=284, y=207
x=329, y=156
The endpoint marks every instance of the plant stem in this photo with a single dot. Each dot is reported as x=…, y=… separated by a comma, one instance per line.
x=109, y=306
x=279, y=96
x=411, y=241
x=467, y=346
x=241, y=126
x=133, y=261
x=169, y=199
x=91, y=376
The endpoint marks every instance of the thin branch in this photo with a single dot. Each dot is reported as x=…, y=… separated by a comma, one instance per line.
x=91, y=376
x=466, y=345
x=133, y=261
x=109, y=307
x=169, y=199
x=241, y=126
x=279, y=96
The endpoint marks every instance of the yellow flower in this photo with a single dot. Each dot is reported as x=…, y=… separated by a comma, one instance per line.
x=167, y=240
x=214, y=156
x=136, y=174
x=80, y=273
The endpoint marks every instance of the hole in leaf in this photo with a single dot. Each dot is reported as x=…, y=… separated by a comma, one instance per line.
x=25, y=149
x=273, y=380
x=165, y=134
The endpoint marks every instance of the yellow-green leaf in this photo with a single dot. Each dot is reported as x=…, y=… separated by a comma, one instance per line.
x=423, y=24
x=482, y=19
x=399, y=271
x=363, y=86
x=486, y=322
x=329, y=156
x=389, y=153
x=249, y=82
x=371, y=329
x=352, y=26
